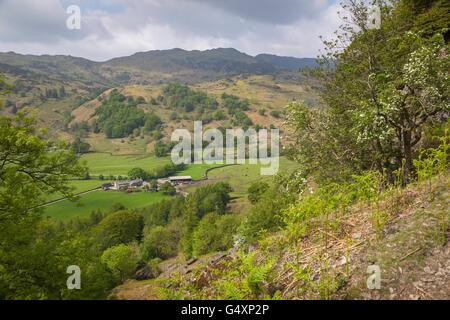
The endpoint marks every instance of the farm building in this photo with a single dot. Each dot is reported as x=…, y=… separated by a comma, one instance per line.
x=126, y=184
x=180, y=179
x=107, y=186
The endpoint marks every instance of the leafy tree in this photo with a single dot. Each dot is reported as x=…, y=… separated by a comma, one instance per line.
x=233, y=103
x=79, y=146
x=120, y=227
x=182, y=97
x=256, y=190
x=387, y=85
x=31, y=166
x=214, y=233
x=161, y=242
x=167, y=189
x=121, y=259
x=118, y=116
x=152, y=122
x=138, y=173
x=264, y=216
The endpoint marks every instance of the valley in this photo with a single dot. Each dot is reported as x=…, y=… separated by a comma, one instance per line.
x=96, y=175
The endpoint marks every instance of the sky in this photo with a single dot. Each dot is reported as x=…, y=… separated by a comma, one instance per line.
x=114, y=28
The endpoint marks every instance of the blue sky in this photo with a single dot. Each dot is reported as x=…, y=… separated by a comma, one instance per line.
x=111, y=28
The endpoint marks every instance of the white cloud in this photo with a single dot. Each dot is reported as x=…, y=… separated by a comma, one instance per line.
x=274, y=27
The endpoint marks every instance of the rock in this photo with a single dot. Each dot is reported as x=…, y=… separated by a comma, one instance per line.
x=357, y=235
x=428, y=270
x=342, y=261
x=144, y=274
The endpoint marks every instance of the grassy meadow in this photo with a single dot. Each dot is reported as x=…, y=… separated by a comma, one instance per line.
x=65, y=210
x=107, y=164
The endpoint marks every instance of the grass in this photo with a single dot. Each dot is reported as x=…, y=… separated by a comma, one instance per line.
x=240, y=177
x=107, y=164
x=197, y=171
x=79, y=187
x=66, y=210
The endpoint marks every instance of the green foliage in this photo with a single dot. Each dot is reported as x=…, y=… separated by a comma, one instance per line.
x=263, y=217
x=119, y=227
x=30, y=160
x=246, y=278
x=162, y=149
x=182, y=97
x=161, y=242
x=167, y=189
x=214, y=233
x=233, y=103
x=138, y=173
x=79, y=146
x=236, y=108
x=388, y=85
x=118, y=117
x=152, y=122
x=275, y=114
x=256, y=190
x=121, y=260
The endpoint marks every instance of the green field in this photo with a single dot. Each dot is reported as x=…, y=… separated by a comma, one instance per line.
x=106, y=164
x=240, y=177
x=65, y=210
x=79, y=187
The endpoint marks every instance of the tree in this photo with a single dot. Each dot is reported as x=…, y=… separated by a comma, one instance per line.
x=256, y=190
x=29, y=160
x=264, y=216
x=214, y=233
x=386, y=85
x=167, y=189
x=138, y=173
x=121, y=260
x=119, y=227
x=79, y=146
x=30, y=167
x=161, y=242
x=152, y=122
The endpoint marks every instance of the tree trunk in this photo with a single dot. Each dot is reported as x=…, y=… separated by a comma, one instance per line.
x=408, y=169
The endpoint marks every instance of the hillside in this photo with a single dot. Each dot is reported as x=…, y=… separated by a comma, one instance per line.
x=410, y=251
x=148, y=67
x=288, y=63
x=66, y=90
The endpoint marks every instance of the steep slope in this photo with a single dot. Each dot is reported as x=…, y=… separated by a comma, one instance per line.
x=413, y=254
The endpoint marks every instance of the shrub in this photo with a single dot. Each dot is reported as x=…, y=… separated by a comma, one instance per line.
x=256, y=190
x=121, y=260
x=119, y=227
x=161, y=242
x=214, y=233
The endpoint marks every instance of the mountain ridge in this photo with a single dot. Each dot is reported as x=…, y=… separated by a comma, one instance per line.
x=151, y=66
